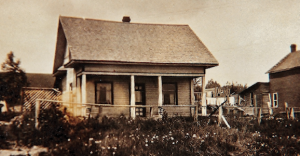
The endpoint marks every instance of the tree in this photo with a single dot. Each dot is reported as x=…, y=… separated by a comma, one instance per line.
x=12, y=81
x=235, y=87
x=212, y=84
x=197, y=84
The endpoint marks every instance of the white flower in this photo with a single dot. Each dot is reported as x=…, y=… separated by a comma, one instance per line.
x=172, y=138
x=91, y=152
x=194, y=135
x=146, y=144
x=69, y=139
x=91, y=139
x=113, y=153
x=108, y=147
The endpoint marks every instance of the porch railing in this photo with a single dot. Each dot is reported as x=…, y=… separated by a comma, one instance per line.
x=79, y=109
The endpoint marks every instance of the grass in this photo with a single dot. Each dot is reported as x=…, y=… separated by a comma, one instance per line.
x=66, y=135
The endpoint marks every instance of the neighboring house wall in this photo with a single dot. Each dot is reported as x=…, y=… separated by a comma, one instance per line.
x=287, y=85
x=256, y=95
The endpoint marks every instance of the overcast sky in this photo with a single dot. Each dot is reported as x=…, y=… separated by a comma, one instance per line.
x=247, y=37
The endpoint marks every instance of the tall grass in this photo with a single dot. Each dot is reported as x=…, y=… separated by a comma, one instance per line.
x=66, y=135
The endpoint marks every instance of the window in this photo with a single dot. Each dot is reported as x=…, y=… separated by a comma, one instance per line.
x=275, y=100
x=104, y=93
x=169, y=94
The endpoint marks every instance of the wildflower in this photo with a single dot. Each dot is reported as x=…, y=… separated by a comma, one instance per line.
x=108, y=147
x=102, y=147
x=187, y=133
x=91, y=139
x=173, y=143
x=146, y=144
x=194, y=135
x=69, y=139
x=115, y=147
x=146, y=140
x=91, y=152
x=113, y=153
x=172, y=138
x=152, y=142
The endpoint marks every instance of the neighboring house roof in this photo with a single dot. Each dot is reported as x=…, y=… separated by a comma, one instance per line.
x=290, y=61
x=40, y=80
x=254, y=86
x=123, y=42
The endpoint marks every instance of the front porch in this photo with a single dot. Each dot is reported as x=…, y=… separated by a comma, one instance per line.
x=131, y=95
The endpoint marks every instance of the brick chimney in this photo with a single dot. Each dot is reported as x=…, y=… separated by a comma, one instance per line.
x=126, y=19
x=293, y=47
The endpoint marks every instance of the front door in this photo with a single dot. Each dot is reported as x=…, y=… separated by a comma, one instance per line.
x=140, y=100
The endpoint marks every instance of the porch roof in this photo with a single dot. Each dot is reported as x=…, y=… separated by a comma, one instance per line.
x=92, y=40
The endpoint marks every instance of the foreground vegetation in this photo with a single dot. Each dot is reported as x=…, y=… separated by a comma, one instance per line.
x=63, y=134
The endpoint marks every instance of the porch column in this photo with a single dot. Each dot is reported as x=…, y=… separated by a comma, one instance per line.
x=160, y=100
x=203, y=97
x=192, y=92
x=78, y=96
x=132, y=98
x=78, y=90
x=83, y=94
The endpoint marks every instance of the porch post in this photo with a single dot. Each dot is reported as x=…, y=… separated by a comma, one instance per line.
x=203, y=97
x=83, y=94
x=192, y=92
x=132, y=98
x=78, y=94
x=160, y=100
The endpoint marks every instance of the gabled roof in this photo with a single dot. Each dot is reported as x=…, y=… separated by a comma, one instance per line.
x=123, y=42
x=290, y=61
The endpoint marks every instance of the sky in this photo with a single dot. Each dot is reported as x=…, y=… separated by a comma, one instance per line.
x=247, y=37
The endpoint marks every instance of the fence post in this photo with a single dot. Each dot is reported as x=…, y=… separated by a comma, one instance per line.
x=196, y=112
x=220, y=114
x=151, y=111
x=37, y=113
x=259, y=116
x=292, y=114
x=270, y=108
x=287, y=110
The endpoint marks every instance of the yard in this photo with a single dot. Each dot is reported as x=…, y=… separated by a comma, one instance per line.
x=62, y=134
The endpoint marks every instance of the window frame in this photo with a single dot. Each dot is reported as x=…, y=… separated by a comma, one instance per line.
x=112, y=91
x=176, y=92
x=273, y=100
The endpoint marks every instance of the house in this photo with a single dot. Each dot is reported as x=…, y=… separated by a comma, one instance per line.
x=127, y=64
x=256, y=95
x=285, y=80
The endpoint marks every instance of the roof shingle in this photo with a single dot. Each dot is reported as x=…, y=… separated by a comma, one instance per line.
x=99, y=40
x=292, y=60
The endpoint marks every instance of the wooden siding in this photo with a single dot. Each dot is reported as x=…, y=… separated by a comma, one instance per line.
x=144, y=69
x=287, y=85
